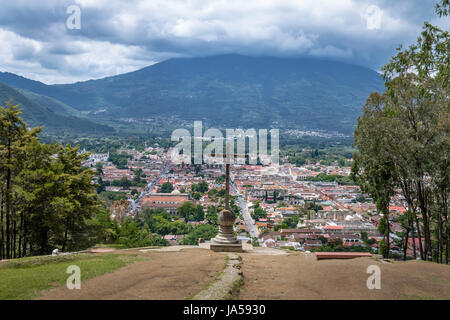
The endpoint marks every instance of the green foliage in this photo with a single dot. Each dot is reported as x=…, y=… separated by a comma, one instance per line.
x=166, y=187
x=24, y=278
x=383, y=248
x=259, y=213
x=159, y=221
x=337, y=245
x=123, y=182
x=196, y=196
x=323, y=177
x=119, y=160
x=113, y=196
x=188, y=210
x=200, y=187
x=204, y=231
x=47, y=194
x=290, y=223
x=37, y=112
x=199, y=214
x=403, y=142
x=212, y=215
x=220, y=179
x=131, y=236
x=297, y=160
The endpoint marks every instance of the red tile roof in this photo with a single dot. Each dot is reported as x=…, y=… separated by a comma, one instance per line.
x=333, y=227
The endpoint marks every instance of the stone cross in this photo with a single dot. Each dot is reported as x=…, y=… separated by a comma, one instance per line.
x=227, y=186
x=225, y=241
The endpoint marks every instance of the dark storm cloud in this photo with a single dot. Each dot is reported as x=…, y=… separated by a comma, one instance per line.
x=120, y=36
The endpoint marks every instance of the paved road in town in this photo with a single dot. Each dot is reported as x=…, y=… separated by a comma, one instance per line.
x=244, y=210
x=149, y=188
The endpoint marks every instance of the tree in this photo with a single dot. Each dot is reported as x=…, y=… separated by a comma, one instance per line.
x=212, y=215
x=199, y=214
x=196, y=196
x=403, y=141
x=131, y=236
x=187, y=210
x=204, y=231
x=137, y=176
x=373, y=166
x=290, y=223
x=46, y=196
x=201, y=187
x=99, y=168
x=259, y=213
x=166, y=187
x=220, y=179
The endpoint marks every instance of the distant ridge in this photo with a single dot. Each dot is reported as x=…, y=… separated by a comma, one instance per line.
x=229, y=90
x=37, y=115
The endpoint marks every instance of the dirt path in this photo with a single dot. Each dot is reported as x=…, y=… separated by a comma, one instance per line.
x=303, y=277
x=165, y=275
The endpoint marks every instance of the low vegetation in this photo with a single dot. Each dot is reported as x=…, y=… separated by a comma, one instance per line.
x=23, y=278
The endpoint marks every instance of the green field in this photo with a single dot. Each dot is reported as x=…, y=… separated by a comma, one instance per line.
x=25, y=278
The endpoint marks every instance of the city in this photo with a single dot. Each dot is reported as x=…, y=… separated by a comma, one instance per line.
x=224, y=159
x=294, y=212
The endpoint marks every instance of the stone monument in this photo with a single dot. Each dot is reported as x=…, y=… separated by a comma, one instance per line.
x=226, y=241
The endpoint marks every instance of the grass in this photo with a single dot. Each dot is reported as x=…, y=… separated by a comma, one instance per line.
x=235, y=289
x=24, y=278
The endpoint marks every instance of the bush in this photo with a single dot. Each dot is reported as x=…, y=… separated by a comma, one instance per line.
x=204, y=231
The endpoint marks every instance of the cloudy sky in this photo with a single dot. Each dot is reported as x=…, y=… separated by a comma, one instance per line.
x=115, y=37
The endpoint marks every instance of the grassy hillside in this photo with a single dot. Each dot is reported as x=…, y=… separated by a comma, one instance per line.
x=36, y=115
x=52, y=104
x=23, y=278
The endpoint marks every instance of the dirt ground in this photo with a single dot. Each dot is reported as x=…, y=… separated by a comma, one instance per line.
x=268, y=274
x=165, y=275
x=298, y=276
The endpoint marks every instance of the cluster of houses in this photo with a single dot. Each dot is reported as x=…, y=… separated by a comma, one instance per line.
x=334, y=211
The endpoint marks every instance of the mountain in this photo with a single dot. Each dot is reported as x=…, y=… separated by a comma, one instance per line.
x=228, y=90
x=52, y=104
x=36, y=114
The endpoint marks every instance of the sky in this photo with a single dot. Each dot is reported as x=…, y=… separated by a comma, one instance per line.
x=64, y=41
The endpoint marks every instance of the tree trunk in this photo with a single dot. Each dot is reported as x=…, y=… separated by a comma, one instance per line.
x=405, y=246
x=440, y=240
x=420, y=239
x=422, y=195
x=2, y=231
x=8, y=203
x=44, y=237
x=20, y=235
x=65, y=235
x=14, y=238
x=447, y=236
x=413, y=236
x=388, y=236
x=25, y=236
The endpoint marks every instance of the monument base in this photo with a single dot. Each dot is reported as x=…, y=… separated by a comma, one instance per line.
x=226, y=247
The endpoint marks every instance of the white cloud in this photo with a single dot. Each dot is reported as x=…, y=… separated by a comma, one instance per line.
x=120, y=36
